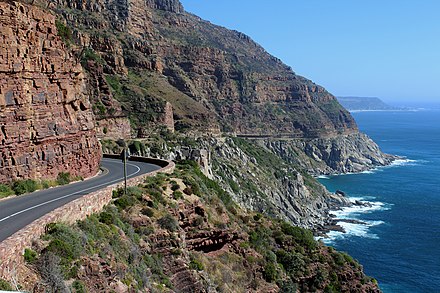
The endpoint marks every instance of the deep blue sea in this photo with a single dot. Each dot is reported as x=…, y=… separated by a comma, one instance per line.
x=400, y=243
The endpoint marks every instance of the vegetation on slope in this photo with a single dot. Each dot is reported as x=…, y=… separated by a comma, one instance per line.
x=183, y=233
x=19, y=187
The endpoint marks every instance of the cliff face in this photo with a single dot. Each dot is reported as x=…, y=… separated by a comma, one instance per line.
x=224, y=80
x=47, y=125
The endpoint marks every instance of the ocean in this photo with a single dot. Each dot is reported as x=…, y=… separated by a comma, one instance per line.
x=399, y=244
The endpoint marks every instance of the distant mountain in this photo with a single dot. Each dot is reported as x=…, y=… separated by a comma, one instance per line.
x=364, y=103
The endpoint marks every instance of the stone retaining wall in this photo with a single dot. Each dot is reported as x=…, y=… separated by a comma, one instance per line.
x=12, y=248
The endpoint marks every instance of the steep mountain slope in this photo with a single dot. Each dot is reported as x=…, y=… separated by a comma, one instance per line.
x=233, y=84
x=47, y=125
x=151, y=61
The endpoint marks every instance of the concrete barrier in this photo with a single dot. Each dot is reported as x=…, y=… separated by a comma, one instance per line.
x=12, y=248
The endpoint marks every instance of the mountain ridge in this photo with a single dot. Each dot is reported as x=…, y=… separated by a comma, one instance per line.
x=234, y=84
x=364, y=103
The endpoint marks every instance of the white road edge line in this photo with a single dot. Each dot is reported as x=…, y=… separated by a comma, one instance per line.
x=68, y=195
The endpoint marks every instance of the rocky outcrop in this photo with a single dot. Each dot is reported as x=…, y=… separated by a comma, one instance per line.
x=338, y=155
x=167, y=5
x=260, y=181
x=47, y=125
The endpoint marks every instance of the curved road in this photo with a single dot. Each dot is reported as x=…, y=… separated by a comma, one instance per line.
x=17, y=212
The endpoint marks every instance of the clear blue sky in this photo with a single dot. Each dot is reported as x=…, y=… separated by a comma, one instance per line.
x=384, y=48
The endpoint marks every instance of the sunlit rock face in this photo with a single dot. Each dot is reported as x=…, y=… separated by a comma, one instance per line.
x=46, y=122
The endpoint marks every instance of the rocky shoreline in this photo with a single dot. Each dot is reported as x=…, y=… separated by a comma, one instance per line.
x=332, y=223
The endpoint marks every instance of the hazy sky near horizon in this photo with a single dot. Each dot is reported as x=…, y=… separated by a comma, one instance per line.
x=388, y=49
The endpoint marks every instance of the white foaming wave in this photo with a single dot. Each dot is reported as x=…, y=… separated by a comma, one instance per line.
x=360, y=229
x=395, y=163
x=356, y=210
x=404, y=162
x=353, y=229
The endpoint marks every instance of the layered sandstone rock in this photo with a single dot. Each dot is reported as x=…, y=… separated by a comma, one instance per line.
x=46, y=121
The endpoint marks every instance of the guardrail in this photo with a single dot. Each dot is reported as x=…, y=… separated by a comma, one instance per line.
x=158, y=162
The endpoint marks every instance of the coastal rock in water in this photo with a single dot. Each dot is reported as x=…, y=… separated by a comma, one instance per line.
x=47, y=125
x=340, y=192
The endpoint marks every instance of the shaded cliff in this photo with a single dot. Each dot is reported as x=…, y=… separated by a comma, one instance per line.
x=47, y=124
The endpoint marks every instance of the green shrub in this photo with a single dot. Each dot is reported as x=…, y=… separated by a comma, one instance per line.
x=78, y=287
x=90, y=54
x=292, y=262
x=135, y=192
x=196, y=265
x=168, y=222
x=154, y=262
x=259, y=237
x=157, y=197
x=106, y=218
x=29, y=255
x=5, y=190
x=302, y=236
x=24, y=186
x=117, y=193
x=63, y=178
x=234, y=186
x=45, y=184
x=288, y=286
x=115, y=84
x=5, y=285
x=177, y=194
x=270, y=273
x=64, y=32
x=338, y=258
x=124, y=202
x=174, y=186
x=147, y=212
x=61, y=248
x=51, y=228
x=65, y=242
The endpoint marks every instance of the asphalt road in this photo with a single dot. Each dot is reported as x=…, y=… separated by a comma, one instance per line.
x=19, y=211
